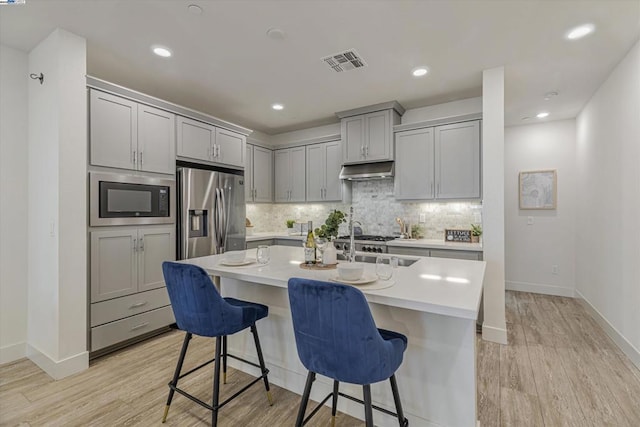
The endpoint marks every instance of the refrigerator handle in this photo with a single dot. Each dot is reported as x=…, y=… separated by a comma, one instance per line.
x=184, y=204
x=223, y=220
x=219, y=215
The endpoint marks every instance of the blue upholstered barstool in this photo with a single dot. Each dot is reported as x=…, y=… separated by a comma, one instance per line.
x=337, y=337
x=199, y=309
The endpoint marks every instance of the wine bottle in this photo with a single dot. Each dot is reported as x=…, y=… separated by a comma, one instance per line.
x=310, y=246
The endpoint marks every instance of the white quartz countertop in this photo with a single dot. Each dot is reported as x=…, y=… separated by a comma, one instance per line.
x=435, y=244
x=274, y=235
x=407, y=243
x=449, y=287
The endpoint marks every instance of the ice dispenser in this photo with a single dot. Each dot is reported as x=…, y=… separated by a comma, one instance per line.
x=198, y=223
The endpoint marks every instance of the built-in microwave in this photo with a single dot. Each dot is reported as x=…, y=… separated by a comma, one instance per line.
x=119, y=199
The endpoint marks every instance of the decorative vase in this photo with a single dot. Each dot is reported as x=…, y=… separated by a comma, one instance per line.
x=330, y=254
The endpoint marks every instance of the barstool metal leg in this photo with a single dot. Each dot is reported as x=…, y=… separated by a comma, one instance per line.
x=216, y=384
x=396, y=398
x=334, y=402
x=176, y=374
x=311, y=376
x=224, y=359
x=263, y=367
x=368, y=410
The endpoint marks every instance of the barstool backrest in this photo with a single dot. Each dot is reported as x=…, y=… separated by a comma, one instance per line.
x=197, y=304
x=336, y=335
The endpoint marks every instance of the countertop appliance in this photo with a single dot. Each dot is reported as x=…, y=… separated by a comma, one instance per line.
x=211, y=211
x=121, y=199
x=364, y=243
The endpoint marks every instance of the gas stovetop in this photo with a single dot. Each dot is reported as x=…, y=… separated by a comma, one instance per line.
x=367, y=238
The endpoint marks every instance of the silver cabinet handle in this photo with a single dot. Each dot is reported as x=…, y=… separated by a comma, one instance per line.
x=366, y=151
x=142, y=325
x=138, y=304
x=135, y=245
x=134, y=157
x=255, y=193
x=141, y=159
x=216, y=150
x=142, y=244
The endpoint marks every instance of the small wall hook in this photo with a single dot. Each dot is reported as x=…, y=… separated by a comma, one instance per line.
x=35, y=76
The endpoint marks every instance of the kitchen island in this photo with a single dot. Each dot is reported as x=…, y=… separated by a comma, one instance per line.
x=434, y=302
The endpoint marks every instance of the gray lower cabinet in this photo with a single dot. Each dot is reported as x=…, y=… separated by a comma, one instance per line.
x=127, y=285
x=288, y=242
x=255, y=243
x=436, y=253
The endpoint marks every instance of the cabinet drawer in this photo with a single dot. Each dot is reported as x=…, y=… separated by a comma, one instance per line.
x=401, y=250
x=475, y=256
x=255, y=243
x=131, y=327
x=119, y=308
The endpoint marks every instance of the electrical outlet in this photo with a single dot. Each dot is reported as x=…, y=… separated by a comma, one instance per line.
x=423, y=218
x=554, y=269
x=529, y=220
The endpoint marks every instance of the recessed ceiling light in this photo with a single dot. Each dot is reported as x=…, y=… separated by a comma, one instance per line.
x=542, y=115
x=277, y=107
x=419, y=71
x=161, y=51
x=195, y=9
x=580, y=31
x=526, y=118
x=549, y=95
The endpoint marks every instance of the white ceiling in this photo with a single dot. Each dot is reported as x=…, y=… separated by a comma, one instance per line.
x=225, y=65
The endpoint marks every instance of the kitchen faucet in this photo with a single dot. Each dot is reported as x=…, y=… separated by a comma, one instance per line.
x=352, y=246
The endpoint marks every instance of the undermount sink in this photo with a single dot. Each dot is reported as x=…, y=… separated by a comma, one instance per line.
x=402, y=262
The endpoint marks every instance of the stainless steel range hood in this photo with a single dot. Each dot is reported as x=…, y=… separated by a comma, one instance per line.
x=367, y=171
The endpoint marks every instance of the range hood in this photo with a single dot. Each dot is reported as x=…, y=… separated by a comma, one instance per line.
x=367, y=171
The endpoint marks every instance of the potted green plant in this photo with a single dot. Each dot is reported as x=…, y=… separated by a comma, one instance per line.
x=476, y=232
x=416, y=231
x=329, y=229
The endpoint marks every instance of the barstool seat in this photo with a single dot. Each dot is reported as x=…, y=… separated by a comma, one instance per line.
x=337, y=337
x=199, y=309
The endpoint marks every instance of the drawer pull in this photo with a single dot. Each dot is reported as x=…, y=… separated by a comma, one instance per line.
x=138, y=304
x=142, y=325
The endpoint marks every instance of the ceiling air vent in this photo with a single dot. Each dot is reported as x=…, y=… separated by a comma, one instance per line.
x=344, y=61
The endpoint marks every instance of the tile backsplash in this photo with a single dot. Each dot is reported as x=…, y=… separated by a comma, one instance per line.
x=375, y=207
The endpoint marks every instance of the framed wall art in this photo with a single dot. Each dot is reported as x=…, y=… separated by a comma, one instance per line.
x=538, y=189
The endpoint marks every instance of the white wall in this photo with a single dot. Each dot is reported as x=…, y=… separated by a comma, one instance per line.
x=532, y=250
x=608, y=204
x=494, y=327
x=57, y=291
x=13, y=204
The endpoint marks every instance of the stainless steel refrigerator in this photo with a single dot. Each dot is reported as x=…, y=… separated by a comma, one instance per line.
x=211, y=211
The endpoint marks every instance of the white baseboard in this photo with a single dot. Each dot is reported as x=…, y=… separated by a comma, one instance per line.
x=538, y=288
x=493, y=334
x=12, y=352
x=58, y=369
x=627, y=348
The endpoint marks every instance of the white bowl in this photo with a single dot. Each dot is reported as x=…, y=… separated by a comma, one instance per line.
x=350, y=270
x=234, y=256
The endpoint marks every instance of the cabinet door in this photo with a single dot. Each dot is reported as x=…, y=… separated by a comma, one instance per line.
x=297, y=169
x=378, y=136
x=262, y=175
x=156, y=140
x=114, y=268
x=414, y=178
x=457, y=166
x=231, y=147
x=353, y=139
x=248, y=174
x=333, y=185
x=155, y=245
x=113, y=131
x=282, y=175
x=195, y=139
x=316, y=170
x=475, y=256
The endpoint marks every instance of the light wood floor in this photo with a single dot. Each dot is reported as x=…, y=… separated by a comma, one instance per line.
x=559, y=369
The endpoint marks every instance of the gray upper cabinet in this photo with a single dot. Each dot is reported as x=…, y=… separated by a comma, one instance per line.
x=289, y=165
x=441, y=162
x=368, y=137
x=202, y=141
x=414, y=178
x=323, y=168
x=258, y=174
x=128, y=135
x=457, y=167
